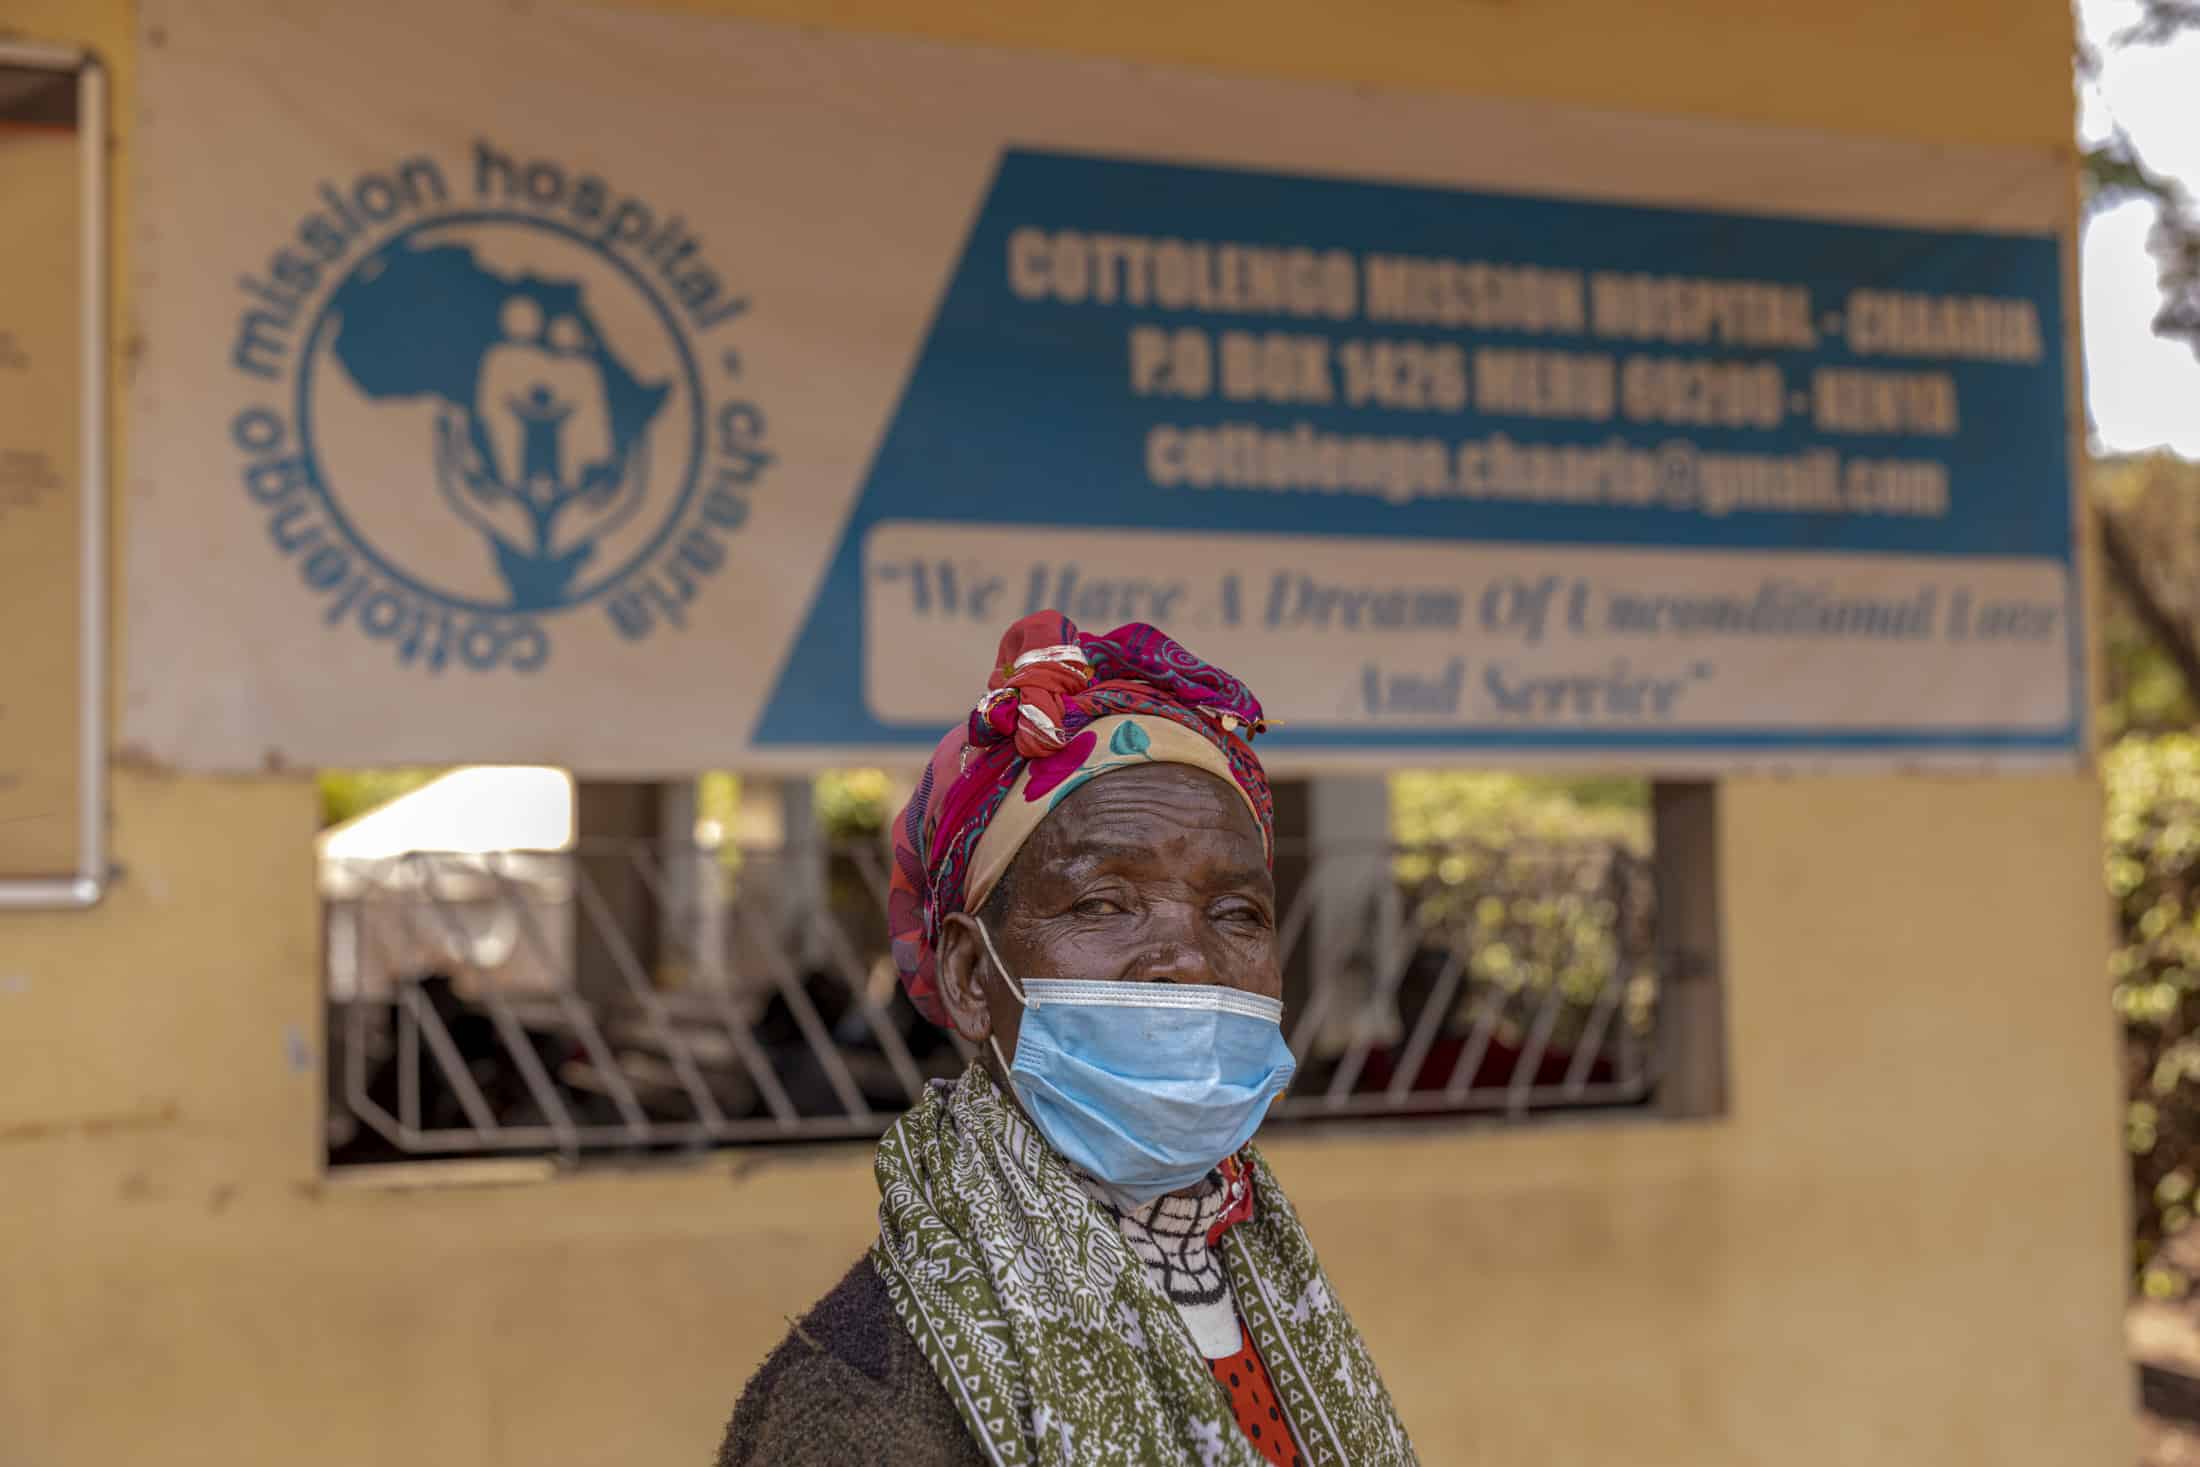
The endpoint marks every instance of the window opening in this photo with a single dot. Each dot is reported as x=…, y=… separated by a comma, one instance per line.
x=1497, y=955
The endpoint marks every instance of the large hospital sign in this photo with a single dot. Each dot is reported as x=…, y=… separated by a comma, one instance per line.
x=1458, y=430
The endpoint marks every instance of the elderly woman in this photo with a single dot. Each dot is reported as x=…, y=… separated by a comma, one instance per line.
x=1080, y=1259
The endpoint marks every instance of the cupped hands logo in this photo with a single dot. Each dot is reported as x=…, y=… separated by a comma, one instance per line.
x=489, y=350
x=541, y=463
x=498, y=415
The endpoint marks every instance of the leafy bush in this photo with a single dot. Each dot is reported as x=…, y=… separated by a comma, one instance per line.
x=2152, y=502
x=1433, y=807
x=2153, y=873
x=851, y=803
x=1539, y=884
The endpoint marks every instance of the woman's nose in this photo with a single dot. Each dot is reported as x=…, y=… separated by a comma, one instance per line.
x=1171, y=950
x=1172, y=963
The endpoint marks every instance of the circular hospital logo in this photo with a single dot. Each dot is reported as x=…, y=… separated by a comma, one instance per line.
x=547, y=395
x=500, y=411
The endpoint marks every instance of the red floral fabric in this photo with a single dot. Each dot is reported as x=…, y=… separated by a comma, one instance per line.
x=1049, y=680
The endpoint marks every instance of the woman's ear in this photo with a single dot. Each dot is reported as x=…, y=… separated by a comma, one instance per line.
x=961, y=967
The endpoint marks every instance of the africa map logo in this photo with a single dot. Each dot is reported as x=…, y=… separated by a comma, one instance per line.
x=495, y=413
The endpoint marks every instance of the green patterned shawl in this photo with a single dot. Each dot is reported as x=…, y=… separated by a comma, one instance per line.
x=1053, y=1340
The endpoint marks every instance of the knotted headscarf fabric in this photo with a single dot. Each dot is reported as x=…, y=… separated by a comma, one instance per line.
x=1059, y=708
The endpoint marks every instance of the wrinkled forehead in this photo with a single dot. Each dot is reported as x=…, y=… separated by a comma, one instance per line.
x=1134, y=817
x=1115, y=744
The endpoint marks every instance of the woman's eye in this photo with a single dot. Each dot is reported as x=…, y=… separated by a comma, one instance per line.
x=1242, y=912
x=1096, y=906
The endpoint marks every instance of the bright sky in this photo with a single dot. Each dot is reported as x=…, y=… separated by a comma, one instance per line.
x=2143, y=392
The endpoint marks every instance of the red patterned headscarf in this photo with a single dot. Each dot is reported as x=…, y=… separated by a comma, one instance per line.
x=1051, y=685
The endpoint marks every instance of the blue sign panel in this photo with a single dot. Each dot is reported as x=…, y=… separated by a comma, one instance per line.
x=1462, y=471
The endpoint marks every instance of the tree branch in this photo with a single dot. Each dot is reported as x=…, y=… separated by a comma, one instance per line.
x=2167, y=631
x=2112, y=172
x=2160, y=22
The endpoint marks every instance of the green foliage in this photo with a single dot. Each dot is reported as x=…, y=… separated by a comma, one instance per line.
x=2153, y=501
x=717, y=803
x=717, y=812
x=2144, y=691
x=1544, y=884
x=1439, y=806
x=851, y=803
x=346, y=793
x=2113, y=173
x=2153, y=876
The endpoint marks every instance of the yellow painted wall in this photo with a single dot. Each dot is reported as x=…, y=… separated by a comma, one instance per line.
x=1903, y=1246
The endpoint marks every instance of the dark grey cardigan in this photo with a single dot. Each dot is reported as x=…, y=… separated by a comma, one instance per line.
x=847, y=1386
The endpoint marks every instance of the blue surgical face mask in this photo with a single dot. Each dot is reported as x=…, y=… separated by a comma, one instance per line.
x=1144, y=1086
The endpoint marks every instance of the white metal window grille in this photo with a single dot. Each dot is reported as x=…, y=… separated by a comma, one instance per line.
x=634, y=998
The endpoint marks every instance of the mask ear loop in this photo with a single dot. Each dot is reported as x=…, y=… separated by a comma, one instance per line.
x=1013, y=987
x=999, y=966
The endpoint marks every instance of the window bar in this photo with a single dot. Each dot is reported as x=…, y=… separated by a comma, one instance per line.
x=874, y=1015
x=1393, y=970
x=1307, y=1030
x=745, y=1048
x=1591, y=1043
x=363, y=1107
x=1492, y=1005
x=598, y=914
x=429, y=1025
x=509, y=1031
x=577, y=1015
x=1426, y=1027
x=1523, y=1084
x=810, y=1022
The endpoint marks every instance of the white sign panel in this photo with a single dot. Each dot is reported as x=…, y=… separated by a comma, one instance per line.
x=642, y=394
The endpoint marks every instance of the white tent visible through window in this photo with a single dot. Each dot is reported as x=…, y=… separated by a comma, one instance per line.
x=471, y=810
x=480, y=902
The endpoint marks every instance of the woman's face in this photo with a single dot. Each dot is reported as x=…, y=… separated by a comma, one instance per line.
x=1155, y=874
